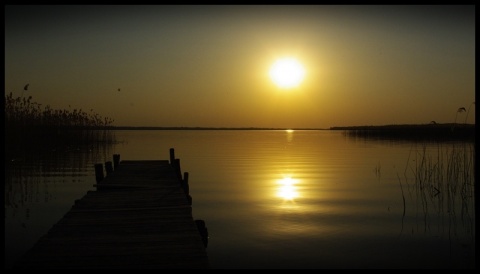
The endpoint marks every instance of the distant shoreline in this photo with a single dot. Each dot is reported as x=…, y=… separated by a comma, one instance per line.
x=364, y=127
x=417, y=132
x=433, y=132
x=406, y=126
x=208, y=128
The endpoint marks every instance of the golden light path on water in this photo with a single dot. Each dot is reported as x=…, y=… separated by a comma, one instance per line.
x=287, y=189
x=290, y=210
x=297, y=195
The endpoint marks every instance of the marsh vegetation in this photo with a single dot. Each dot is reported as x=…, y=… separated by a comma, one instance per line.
x=413, y=132
x=29, y=127
x=437, y=183
x=442, y=181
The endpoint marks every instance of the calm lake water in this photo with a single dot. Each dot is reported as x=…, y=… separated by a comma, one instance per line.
x=280, y=199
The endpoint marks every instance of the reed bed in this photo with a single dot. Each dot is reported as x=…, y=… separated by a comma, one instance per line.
x=30, y=127
x=413, y=132
x=441, y=183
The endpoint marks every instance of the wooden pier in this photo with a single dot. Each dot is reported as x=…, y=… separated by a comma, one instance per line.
x=139, y=217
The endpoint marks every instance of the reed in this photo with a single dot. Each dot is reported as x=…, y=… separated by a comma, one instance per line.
x=443, y=181
x=29, y=126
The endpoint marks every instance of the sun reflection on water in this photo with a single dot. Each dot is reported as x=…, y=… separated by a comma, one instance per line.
x=289, y=135
x=287, y=189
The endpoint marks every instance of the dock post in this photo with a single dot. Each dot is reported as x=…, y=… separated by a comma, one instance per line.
x=185, y=185
x=116, y=160
x=172, y=156
x=176, y=167
x=203, y=230
x=99, y=172
x=108, y=167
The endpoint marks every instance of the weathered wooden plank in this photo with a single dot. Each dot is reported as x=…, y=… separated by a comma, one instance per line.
x=139, y=217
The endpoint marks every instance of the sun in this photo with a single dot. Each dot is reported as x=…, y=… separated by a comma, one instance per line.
x=287, y=72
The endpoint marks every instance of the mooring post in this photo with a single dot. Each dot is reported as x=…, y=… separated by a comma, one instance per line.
x=185, y=185
x=172, y=156
x=116, y=160
x=178, y=170
x=99, y=172
x=108, y=167
x=203, y=230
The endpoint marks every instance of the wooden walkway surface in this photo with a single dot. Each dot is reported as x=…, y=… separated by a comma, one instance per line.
x=139, y=217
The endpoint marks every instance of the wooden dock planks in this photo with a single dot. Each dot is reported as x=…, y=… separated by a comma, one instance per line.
x=138, y=218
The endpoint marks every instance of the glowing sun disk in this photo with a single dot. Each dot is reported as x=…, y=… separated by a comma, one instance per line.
x=287, y=72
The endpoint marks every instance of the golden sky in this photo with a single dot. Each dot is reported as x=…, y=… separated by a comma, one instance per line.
x=209, y=65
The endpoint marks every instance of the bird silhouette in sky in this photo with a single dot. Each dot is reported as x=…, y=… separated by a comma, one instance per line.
x=25, y=88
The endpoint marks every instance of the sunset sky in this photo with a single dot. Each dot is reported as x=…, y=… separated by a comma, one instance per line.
x=208, y=66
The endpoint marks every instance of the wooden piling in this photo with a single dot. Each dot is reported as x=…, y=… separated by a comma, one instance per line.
x=202, y=229
x=172, y=156
x=99, y=172
x=116, y=160
x=185, y=186
x=178, y=170
x=108, y=167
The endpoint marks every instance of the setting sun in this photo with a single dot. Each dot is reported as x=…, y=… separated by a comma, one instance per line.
x=287, y=72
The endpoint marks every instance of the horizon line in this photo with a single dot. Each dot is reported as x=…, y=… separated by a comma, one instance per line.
x=278, y=128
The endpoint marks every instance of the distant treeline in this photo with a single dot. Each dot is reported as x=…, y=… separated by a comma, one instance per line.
x=28, y=125
x=434, y=132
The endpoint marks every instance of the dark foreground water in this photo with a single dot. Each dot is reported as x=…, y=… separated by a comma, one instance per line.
x=280, y=199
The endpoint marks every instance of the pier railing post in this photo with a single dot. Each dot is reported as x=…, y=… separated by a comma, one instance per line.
x=172, y=156
x=99, y=172
x=116, y=160
x=185, y=185
x=177, y=168
x=203, y=230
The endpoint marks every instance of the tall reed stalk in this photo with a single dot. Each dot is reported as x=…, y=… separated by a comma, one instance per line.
x=443, y=182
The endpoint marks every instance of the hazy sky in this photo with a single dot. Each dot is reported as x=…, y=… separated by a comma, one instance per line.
x=209, y=65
